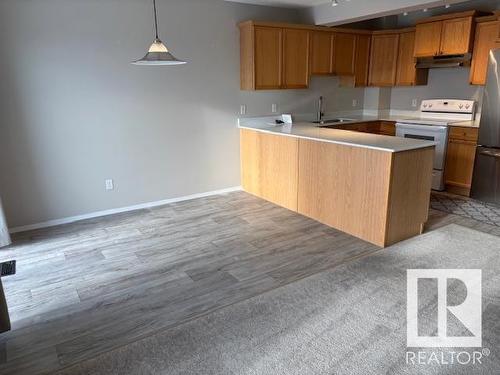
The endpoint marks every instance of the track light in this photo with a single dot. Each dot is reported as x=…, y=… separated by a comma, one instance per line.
x=335, y=3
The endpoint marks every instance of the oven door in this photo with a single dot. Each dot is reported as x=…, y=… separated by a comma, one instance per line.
x=438, y=134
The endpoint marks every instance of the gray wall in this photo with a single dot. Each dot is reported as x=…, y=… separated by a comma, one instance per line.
x=75, y=112
x=449, y=83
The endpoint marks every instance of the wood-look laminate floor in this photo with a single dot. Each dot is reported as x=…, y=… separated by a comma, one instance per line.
x=89, y=287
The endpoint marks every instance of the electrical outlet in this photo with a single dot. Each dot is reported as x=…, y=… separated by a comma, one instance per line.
x=109, y=184
x=414, y=103
x=354, y=103
x=274, y=108
x=243, y=109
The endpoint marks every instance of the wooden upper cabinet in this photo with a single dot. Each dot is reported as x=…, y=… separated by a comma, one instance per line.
x=407, y=74
x=449, y=34
x=268, y=58
x=384, y=58
x=362, y=63
x=296, y=58
x=456, y=36
x=486, y=39
x=344, y=54
x=274, y=57
x=321, y=52
x=428, y=39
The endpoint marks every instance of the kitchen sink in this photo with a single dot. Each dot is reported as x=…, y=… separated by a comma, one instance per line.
x=334, y=121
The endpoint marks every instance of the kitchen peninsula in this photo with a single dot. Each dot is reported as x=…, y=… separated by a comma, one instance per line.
x=374, y=187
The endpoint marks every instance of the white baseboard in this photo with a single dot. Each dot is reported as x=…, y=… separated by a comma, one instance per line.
x=92, y=215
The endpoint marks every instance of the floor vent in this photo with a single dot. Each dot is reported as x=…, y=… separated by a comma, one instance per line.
x=8, y=268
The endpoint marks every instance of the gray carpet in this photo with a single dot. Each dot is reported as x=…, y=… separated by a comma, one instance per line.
x=349, y=320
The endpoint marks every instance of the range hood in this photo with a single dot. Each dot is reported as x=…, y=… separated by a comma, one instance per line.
x=449, y=61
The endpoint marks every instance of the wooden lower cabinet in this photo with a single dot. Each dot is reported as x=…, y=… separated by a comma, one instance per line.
x=378, y=196
x=335, y=188
x=387, y=128
x=374, y=127
x=270, y=167
x=460, y=159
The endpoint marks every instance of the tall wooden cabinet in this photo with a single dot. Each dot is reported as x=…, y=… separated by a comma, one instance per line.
x=487, y=38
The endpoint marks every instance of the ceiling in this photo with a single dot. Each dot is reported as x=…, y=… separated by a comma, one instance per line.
x=284, y=3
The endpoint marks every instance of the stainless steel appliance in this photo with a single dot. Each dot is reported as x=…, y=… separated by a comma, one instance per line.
x=486, y=178
x=432, y=125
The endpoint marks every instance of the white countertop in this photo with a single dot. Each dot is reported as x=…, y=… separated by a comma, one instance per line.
x=307, y=130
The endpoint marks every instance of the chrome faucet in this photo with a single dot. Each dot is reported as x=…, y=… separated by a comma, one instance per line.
x=319, y=116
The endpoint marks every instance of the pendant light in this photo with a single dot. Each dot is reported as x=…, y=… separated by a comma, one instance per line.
x=158, y=53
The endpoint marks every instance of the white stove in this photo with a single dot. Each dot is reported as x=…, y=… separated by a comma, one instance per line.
x=432, y=125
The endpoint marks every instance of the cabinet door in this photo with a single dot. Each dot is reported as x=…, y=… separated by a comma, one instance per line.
x=428, y=39
x=269, y=167
x=344, y=54
x=296, y=58
x=362, y=65
x=407, y=73
x=406, y=62
x=384, y=57
x=485, y=41
x=321, y=52
x=388, y=128
x=456, y=36
x=268, y=58
x=460, y=163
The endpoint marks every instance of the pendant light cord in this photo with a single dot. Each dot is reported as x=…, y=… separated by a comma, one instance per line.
x=156, y=19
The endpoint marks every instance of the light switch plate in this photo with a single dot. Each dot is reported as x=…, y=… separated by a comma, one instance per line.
x=243, y=109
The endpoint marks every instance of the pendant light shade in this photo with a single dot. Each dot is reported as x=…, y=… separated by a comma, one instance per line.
x=158, y=53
